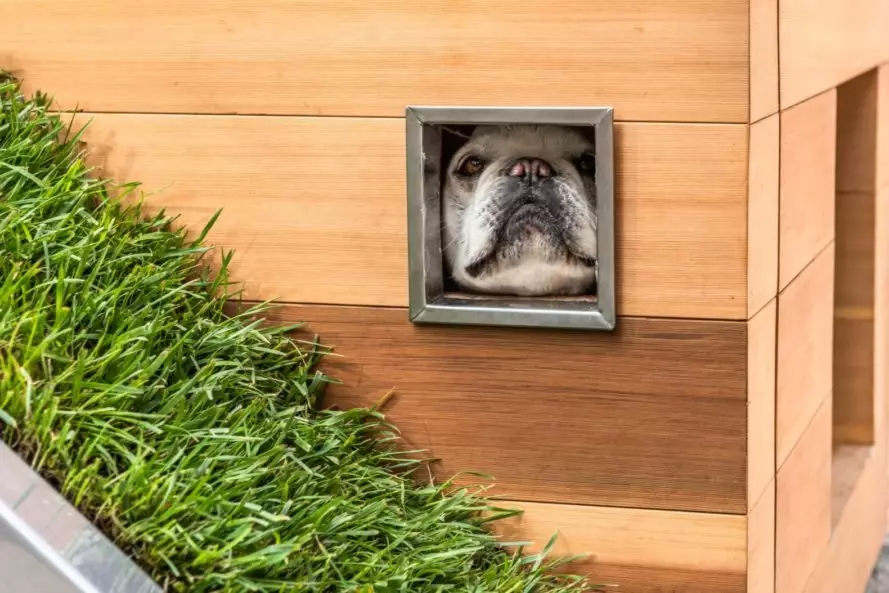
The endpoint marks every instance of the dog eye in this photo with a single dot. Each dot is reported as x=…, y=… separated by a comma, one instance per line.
x=471, y=165
x=587, y=162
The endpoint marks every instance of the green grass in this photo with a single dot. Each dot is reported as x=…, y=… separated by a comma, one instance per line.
x=192, y=437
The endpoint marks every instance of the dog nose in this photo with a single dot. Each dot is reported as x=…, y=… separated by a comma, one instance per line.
x=531, y=169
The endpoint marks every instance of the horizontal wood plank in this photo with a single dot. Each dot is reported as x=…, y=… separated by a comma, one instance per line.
x=846, y=563
x=762, y=213
x=803, y=504
x=826, y=42
x=639, y=550
x=761, y=543
x=805, y=351
x=316, y=207
x=808, y=183
x=652, y=416
x=761, y=361
x=763, y=59
x=675, y=60
x=853, y=378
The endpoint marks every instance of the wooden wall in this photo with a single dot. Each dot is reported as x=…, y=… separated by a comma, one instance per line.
x=652, y=448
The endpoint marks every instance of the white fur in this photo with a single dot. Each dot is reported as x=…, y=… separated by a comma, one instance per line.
x=468, y=230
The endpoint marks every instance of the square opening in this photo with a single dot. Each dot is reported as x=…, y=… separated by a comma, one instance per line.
x=511, y=216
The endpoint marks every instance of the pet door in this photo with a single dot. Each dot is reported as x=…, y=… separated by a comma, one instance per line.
x=439, y=292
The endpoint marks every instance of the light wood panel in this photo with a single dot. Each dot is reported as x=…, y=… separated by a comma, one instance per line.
x=679, y=60
x=805, y=348
x=803, y=504
x=651, y=416
x=761, y=543
x=860, y=488
x=640, y=550
x=826, y=42
x=762, y=213
x=845, y=564
x=316, y=208
x=808, y=176
x=761, y=360
x=763, y=58
x=847, y=466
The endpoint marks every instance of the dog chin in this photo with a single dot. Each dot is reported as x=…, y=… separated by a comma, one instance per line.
x=531, y=278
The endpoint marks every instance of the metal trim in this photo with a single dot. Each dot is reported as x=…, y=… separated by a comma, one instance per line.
x=427, y=303
x=88, y=563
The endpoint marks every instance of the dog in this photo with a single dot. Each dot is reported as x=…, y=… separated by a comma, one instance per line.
x=519, y=211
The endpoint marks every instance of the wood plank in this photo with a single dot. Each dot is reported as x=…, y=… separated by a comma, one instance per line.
x=675, y=60
x=762, y=214
x=803, y=504
x=853, y=378
x=881, y=274
x=845, y=565
x=847, y=467
x=855, y=248
x=827, y=42
x=805, y=351
x=804, y=347
x=856, y=143
x=761, y=543
x=761, y=363
x=856, y=180
x=882, y=124
x=640, y=550
x=763, y=58
x=808, y=156
x=341, y=237
x=854, y=331
x=651, y=416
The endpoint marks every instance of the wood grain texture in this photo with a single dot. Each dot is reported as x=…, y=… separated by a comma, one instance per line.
x=762, y=213
x=761, y=362
x=882, y=124
x=808, y=181
x=856, y=136
x=640, y=550
x=652, y=416
x=761, y=543
x=855, y=236
x=679, y=60
x=854, y=288
x=763, y=58
x=854, y=331
x=860, y=489
x=805, y=351
x=847, y=561
x=826, y=42
x=853, y=378
x=847, y=466
x=316, y=208
x=803, y=504
x=881, y=274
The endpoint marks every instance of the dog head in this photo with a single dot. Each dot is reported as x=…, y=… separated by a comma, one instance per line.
x=519, y=211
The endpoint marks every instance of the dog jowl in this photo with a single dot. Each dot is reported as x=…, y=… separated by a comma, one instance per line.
x=519, y=211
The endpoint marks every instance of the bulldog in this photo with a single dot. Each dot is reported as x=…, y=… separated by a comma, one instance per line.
x=519, y=211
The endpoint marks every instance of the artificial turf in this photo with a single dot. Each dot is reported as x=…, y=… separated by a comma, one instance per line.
x=190, y=435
